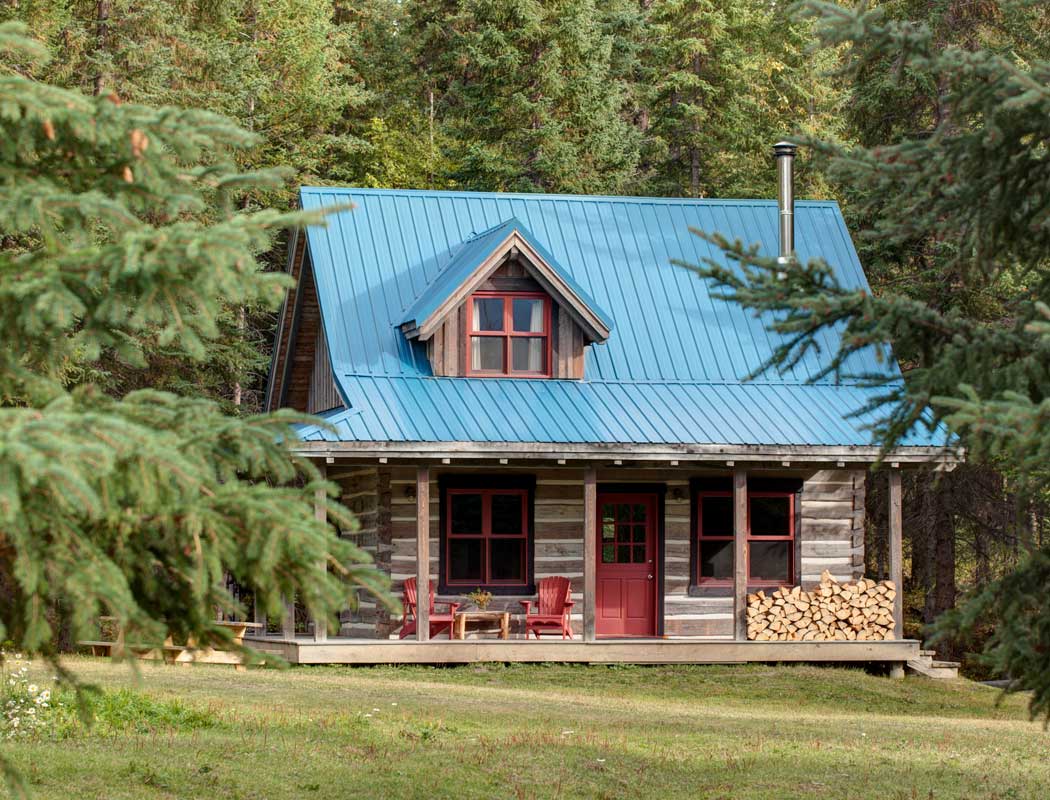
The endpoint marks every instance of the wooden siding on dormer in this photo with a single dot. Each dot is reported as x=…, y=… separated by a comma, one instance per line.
x=447, y=348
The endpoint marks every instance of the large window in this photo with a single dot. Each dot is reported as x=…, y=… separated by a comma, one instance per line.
x=486, y=537
x=509, y=334
x=770, y=548
x=771, y=537
x=715, y=548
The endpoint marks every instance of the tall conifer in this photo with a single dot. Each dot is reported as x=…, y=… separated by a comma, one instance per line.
x=978, y=183
x=137, y=506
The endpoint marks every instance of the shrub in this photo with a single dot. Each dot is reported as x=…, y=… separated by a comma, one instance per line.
x=29, y=708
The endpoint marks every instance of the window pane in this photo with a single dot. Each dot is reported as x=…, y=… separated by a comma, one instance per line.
x=465, y=511
x=769, y=561
x=608, y=512
x=508, y=560
x=639, y=534
x=639, y=512
x=623, y=554
x=608, y=554
x=608, y=532
x=716, y=516
x=771, y=516
x=528, y=315
x=716, y=559
x=526, y=354
x=488, y=313
x=639, y=554
x=506, y=513
x=486, y=353
x=465, y=559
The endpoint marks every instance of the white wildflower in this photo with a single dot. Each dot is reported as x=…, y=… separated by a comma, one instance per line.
x=33, y=688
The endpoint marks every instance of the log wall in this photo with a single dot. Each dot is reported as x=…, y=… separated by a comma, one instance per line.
x=384, y=499
x=833, y=526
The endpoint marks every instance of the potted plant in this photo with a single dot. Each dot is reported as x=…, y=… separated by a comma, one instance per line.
x=480, y=598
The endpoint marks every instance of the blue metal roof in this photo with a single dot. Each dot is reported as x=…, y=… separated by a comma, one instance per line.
x=471, y=255
x=669, y=373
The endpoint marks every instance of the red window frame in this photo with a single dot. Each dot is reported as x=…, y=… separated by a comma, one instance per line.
x=508, y=333
x=701, y=537
x=486, y=536
x=788, y=537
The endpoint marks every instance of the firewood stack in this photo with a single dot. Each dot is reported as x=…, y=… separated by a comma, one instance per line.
x=833, y=611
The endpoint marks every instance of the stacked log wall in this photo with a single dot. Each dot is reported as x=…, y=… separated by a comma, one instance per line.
x=831, y=538
x=366, y=492
x=832, y=528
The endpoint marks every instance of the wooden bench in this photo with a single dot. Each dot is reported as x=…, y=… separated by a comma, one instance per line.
x=100, y=649
x=184, y=655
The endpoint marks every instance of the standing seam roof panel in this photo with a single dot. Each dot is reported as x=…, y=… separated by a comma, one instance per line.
x=670, y=370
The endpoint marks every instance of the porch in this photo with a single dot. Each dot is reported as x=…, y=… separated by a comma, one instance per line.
x=692, y=624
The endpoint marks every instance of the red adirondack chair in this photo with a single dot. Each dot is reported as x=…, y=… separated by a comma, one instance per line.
x=438, y=622
x=552, y=608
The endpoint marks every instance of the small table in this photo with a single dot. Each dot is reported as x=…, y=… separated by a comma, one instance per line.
x=459, y=624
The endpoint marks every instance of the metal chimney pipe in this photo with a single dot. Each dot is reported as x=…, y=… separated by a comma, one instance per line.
x=784, y=152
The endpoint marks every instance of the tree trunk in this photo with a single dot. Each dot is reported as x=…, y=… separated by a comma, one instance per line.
x=102, y=11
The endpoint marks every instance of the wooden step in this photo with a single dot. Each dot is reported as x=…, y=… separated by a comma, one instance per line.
x=938, y=670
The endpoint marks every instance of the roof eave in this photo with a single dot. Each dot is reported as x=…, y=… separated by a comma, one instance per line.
x=844, y=455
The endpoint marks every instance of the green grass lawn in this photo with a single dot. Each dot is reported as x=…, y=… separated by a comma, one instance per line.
x=491, y=731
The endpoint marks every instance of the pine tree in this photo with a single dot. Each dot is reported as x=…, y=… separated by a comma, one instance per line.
x=721, y=80
x=138, y=506
x=527, y=92
x=978, y=183
x=275, y=67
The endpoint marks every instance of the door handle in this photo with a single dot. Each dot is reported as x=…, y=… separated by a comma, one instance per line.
x=650, y=577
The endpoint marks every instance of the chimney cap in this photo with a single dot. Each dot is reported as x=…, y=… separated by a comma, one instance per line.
x=784, y=148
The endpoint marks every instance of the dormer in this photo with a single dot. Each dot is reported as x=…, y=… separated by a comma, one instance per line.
x=503, y=307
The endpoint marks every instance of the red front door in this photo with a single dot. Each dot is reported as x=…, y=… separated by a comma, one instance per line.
x=626, y=601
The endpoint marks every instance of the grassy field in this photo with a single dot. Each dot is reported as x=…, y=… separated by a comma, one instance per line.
x=539, y=731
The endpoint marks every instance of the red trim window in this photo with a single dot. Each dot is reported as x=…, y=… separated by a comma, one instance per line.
x=715, y=551
x=486, y=533
x=770, y=538
x=509, y=334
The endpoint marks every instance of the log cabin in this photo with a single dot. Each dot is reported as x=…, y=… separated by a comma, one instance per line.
x=514, y=387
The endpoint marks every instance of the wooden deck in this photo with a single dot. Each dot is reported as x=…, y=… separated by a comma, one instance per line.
x=604, y=651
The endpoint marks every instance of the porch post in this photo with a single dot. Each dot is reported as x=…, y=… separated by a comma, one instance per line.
x=422, y=553
x=288, y=620
x=739, y=554
x=590, y=546
x=896, y=533
x=321, y=514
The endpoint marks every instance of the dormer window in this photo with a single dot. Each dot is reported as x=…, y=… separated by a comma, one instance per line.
x=509, y=334
x=503, y=307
